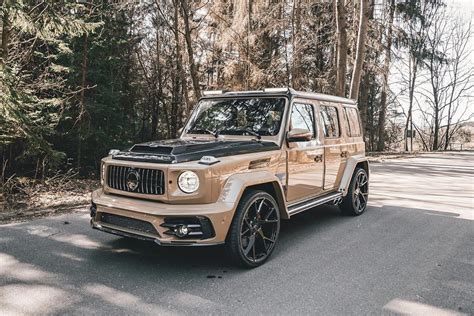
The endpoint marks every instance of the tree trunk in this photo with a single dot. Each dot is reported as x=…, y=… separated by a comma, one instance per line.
x=364, y=101
x=189, y=45
x=180, y=70
x=360, y=49
x=160, y=84
x=413, y=67
x=341, y=47
x=436, y=127
x=82, y=104
x=448, y=127
x=249, y=30
x=296, y=28
x=386, y=70
x=435, y=86
x=5, y=38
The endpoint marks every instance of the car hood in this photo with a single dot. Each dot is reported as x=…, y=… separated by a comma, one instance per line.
x=181, y=150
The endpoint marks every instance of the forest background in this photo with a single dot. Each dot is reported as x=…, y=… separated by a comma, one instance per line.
x=78, y=78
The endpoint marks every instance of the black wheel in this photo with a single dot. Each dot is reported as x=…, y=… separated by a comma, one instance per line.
x=254, y=230
x=355, y=202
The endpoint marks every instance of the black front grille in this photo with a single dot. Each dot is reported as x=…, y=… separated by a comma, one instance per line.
x=147, y=181
x=127, y=222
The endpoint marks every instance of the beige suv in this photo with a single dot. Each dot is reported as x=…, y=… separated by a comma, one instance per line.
x=244, y=161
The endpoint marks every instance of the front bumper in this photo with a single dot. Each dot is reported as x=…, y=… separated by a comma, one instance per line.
x=219, y=214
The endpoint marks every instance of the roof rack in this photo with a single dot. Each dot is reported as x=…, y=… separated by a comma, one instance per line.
x=287, y=90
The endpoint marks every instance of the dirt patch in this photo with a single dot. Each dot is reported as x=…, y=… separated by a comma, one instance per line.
x=28, y=199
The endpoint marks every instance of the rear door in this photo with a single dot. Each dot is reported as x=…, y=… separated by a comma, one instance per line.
x=305, y=159
x=335, y=149
x=355, y=141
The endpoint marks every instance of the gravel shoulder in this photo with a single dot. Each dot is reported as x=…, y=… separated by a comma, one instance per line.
x=27, y=201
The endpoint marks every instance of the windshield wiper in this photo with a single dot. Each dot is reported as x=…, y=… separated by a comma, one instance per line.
x=252, y=132
x=213, y=133
x=247, y=130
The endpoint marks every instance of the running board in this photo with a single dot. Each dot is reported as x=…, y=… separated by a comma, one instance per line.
x=303, y=206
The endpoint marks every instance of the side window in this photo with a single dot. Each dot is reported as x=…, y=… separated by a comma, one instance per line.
x=330, y=121
x=302, y=116
x=353, y=123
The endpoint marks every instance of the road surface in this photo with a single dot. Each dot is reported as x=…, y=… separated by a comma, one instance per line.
x=411, y=252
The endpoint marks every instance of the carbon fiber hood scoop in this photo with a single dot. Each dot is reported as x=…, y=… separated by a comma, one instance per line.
x=179, y=150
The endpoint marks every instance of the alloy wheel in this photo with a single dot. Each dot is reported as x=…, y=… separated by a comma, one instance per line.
x=360, y=192
x=259, y=229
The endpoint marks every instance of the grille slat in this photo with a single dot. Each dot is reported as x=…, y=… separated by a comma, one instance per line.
x=150, y=181
x=121, y=175
x=117, y=175
x=113, y=176
x=147, y=177
x=111, y=171
x=162, y=179
x=122, y=178
x=142, y=175
x=156, y=181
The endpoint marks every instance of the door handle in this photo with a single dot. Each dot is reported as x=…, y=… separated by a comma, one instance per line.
x=318, y=158
x=344, y=154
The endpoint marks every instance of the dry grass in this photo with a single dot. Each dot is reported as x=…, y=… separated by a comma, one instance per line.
x=382, y=156
x=23, y=198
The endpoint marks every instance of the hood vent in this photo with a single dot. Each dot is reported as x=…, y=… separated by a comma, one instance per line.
x=259, y=163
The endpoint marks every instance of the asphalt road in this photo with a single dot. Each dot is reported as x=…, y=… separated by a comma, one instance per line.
x=411, y=252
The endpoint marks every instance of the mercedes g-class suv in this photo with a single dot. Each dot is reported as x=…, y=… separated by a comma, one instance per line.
x=244, y=161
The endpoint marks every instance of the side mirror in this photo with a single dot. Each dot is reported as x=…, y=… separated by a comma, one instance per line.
x=299, y=135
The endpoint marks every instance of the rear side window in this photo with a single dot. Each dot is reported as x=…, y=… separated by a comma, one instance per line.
x=330, y=121
x=353, y=124
x=302, y=116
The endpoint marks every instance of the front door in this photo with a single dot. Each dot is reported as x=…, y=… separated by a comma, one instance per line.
x=305, y=158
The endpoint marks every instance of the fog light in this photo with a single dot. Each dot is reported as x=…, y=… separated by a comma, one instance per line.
x=182, y=231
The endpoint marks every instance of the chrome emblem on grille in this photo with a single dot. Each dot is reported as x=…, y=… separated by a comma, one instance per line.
x=133, y=180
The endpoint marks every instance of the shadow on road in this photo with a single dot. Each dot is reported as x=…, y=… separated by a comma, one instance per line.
x=414, y=244
x=71, y=265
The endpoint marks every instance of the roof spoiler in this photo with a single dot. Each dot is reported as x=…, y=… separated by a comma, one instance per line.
x=275, y=90
x=214, y=92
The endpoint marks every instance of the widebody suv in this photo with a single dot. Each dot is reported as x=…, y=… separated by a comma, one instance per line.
x=244, y=161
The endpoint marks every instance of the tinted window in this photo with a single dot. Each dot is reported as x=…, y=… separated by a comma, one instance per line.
x=302, y=116
x=240, y=116
x=352, y=117
x=330, y=121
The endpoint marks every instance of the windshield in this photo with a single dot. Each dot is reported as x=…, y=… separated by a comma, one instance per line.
x=240, y=116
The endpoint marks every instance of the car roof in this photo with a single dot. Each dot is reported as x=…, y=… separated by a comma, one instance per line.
x=287, y=92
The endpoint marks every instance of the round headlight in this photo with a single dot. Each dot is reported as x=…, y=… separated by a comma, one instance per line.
x=188, y=182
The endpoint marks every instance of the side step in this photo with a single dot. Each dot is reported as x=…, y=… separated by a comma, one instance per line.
x=303, y=206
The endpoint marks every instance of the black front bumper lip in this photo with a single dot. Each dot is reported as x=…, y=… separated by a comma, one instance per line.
x=155, y=240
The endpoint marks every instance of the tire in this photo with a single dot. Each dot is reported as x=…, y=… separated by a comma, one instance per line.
x=254, y=230
x=355, y=202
